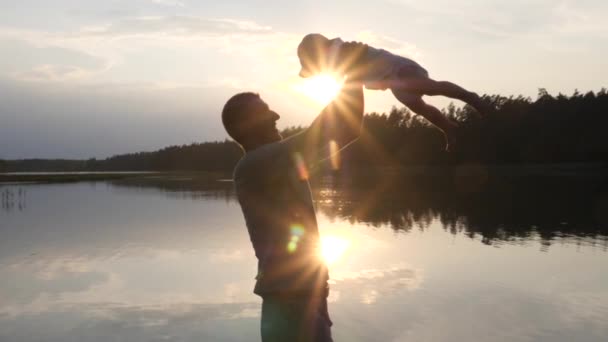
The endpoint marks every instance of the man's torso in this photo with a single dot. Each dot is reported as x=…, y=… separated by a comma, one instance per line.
x=278, y=209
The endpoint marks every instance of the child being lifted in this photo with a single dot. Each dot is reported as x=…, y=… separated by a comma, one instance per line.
x=380, y=69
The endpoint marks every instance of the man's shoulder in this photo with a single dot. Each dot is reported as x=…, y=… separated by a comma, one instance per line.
x=262, y=158
x=264, y=151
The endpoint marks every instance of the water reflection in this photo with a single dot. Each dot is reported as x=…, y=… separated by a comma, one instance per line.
x=170, y=261
x=13, y=198
x=496, y=218
x=333, y=248
x=180, y=186
x=498, y=213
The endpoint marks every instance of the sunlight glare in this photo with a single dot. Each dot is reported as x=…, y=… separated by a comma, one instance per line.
x=322, y=88
x=333, y=248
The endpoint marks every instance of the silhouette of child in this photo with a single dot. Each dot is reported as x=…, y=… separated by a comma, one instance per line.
x=380, y=69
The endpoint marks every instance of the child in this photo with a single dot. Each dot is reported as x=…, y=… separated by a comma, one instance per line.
x=380, y=69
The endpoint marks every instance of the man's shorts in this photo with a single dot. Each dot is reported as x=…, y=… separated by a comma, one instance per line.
x=297, y=319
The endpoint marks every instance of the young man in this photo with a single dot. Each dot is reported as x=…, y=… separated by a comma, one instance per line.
x=271, y=183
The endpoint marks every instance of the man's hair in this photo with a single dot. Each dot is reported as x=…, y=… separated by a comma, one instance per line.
x=235, y=113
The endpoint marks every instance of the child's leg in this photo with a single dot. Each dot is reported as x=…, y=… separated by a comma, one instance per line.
x=415, y=103
x=428, y=86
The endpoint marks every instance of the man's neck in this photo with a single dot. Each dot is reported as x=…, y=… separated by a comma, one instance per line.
x=253, y=146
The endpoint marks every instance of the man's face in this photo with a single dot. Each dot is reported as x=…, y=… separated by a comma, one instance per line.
x=261, y=124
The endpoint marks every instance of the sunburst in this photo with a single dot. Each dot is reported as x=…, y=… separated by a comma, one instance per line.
x=333, y=248
x=321, y=89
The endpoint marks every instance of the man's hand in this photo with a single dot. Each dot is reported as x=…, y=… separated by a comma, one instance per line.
x=339, y=123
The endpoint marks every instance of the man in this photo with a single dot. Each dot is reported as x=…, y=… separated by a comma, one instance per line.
x=271, y=183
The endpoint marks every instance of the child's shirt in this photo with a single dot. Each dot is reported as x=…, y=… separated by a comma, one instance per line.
x=378, y=68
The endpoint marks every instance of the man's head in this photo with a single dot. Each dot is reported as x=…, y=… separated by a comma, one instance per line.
x=249, y=120
x=312, y=53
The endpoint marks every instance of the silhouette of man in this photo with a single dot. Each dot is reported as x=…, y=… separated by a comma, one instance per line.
x=271, y=182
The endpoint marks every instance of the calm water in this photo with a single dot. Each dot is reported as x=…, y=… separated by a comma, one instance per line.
x=104, y=262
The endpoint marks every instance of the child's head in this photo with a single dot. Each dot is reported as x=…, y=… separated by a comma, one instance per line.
x=312, y=53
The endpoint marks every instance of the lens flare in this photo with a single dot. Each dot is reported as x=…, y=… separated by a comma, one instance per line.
x=300, y=166
x=321, y=89
x=333, y=248
x=297, y=231
x=334, y=158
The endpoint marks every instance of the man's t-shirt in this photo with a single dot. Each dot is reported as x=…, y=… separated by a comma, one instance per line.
x=274, y=194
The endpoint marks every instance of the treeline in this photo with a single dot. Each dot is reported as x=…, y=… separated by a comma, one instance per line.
x=208, y=156
x=42, y=165
x=550, y=129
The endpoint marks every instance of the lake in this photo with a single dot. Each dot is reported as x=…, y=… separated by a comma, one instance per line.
x=112, y=261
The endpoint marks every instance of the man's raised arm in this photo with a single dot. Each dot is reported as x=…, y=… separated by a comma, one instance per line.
x=339, y=122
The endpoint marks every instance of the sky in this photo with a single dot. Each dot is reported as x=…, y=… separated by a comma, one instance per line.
x=83, y=79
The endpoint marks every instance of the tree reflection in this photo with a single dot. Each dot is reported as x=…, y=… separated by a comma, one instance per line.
x=494, y=204
x=185, y=185
x=546, y=208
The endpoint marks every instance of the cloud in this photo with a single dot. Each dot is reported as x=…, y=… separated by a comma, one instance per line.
x=367, y=286
x=49, y=72
x=24, y=60
x=106, y=46
x=499, y=19
x=180, y=26
x=103, y=321
x=20, y=288
x=173, y=3
x=581, y=18
x=220, y=52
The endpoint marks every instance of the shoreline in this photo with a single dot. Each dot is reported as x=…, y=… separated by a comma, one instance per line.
x=71, y=177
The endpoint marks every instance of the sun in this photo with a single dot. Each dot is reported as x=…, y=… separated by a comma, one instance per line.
x=333, y=248
x=321, y=89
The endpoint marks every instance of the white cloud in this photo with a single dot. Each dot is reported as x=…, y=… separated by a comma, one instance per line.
x=150, y=46
x=369, y=285
x=49, y=72
x=501, y=19
x=174, y=3
x=575, y=18
x=180, y=26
